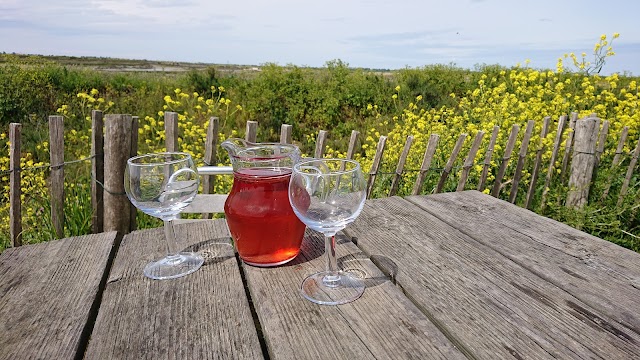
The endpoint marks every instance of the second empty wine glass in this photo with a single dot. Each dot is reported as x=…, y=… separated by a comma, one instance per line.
x=326, y=195
x=162, y=185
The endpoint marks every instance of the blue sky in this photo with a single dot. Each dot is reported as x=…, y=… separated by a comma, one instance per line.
x=362, y=33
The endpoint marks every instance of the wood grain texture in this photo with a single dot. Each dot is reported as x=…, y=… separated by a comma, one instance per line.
x=382, y=324
x=494, y=283
x=47, y=293
x=583, y=162
x=204, y=315
x=353, y=140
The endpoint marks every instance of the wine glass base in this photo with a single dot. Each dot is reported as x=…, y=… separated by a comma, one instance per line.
x=174, y=266
x=332, y=288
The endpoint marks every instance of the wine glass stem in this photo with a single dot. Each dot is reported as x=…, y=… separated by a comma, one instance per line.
x=332, y=278
x=170, y=237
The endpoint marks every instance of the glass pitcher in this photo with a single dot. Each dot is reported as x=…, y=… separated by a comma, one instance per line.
x=264, y=228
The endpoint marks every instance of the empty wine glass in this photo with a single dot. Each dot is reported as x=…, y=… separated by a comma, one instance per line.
x=162, y=185
x=326, y=195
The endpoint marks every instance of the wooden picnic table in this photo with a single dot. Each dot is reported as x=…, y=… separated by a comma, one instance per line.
x=449, y=276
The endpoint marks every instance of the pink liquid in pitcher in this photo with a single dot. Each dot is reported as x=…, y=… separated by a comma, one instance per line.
x=264, y=228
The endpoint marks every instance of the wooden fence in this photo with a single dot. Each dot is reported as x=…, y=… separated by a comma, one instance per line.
x=111, y=209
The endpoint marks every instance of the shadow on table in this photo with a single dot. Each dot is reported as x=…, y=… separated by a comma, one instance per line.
x=214, y=250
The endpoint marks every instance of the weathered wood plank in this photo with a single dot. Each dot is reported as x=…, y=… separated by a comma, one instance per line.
x=468, y=163
x=617, y=158
x=97, y=171
x=171, y=131
x=487, y=158
x=400, y=167
x=382, y=324
x=583, y=162
x=524, y=148
x=502, y=308
x=48, y=295
x=511, y=143
x=452, y=159
x=15, y=187
x=375, y=167
x=204, y=315
x=536, y=166
x=599, y=273
x=552, y=161
x=432, y=145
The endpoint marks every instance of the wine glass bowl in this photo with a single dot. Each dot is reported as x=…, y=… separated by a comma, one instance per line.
x=327, y=195
x=162, y=185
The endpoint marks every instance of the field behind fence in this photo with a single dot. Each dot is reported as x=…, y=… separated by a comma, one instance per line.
x=573, y=164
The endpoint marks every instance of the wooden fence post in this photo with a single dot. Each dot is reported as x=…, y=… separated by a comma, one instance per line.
x=568, y=146
x=133, y=211
x=285, y=133
x=116, y=152
x=375, y=167
x=552, y=162
x=487, y=158
x=400, y=167
x=582, y=164
x=210, y=157
x=511, y=143
x=171, y=131
x=251, y=134
x=450, y=162
x=536, y=166
x=627, y=178
x=432, y=145
x=616, y=161
x=524, y=148
x=56, y=186
x=353, y=140
x=321, y=142
x=468, y=163
x=15, y=189
x=97, y=171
